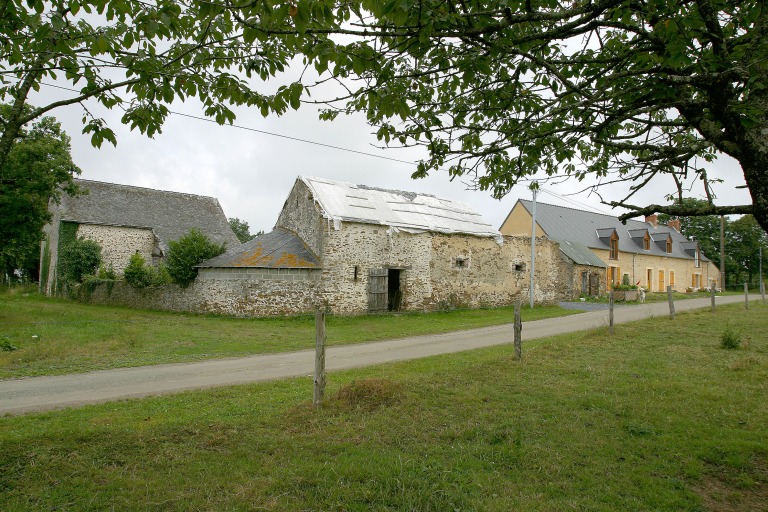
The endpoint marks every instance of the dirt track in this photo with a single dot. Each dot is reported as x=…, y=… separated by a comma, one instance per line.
x=20, y=396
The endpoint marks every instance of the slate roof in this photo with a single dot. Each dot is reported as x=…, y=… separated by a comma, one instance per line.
x=170, y=215
x=569, y=224
x=277, y=249
x=580, y=254
x=408, y=211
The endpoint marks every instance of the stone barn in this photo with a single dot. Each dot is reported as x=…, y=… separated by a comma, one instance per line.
x=125, y=219
x=357, y=249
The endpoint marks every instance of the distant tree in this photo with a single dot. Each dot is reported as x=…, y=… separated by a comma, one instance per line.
x=188, y=251
x=242, y=230
x=747, y=236
x=39, y=167
x=79, y=258
x=704, y=229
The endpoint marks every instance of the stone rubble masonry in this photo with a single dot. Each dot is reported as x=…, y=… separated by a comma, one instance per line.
x=239, y=292
x=119, y=243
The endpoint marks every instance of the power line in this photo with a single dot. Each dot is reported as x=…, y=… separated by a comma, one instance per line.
x=297, y=139
x=265, y=132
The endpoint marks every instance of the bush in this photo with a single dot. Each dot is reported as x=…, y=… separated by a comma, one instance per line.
x=730, y=339
x=140, y=275
x=188, y=251
x=78, y=258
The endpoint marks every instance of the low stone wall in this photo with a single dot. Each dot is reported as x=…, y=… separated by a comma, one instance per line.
x=238, y=292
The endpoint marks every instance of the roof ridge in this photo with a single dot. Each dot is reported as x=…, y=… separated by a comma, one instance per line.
x=614, y=217
x=136, y=187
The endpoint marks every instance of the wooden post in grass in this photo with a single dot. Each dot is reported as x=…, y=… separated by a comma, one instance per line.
x=518, y=332
x=610, y=312
x=671, y=303
x=746, y=296
x=317, y=399
x=713, y=299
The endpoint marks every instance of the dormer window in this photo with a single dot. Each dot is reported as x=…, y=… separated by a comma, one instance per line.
x=614, y=244
x=647, y=242
x=669, y=246
x=697, y=258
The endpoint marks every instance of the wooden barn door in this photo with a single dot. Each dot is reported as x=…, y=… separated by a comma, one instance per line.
x=377, y=289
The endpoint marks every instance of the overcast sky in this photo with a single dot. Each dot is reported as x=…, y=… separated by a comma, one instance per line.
x=251, y=173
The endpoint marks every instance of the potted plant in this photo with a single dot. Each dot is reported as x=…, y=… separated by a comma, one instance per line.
x=625, y=291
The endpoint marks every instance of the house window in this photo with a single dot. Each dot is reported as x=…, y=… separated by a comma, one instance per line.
x=518, y=267
x=649, y=279
x=669, y=245
x=357, y=272
x=614, y=255
x=647, y=242
x=671, y=278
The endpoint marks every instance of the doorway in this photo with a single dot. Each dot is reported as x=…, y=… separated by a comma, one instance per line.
x=394, y=291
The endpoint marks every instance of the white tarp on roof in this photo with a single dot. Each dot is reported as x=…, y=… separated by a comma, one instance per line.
x=406, y=211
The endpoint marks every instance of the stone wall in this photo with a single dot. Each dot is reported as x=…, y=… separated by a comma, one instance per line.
x=439, y=270
x=301, y=215
x=354, y=250
x=239, y=292
x=119, y=243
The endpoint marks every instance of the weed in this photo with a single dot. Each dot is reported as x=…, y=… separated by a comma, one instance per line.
x=730, y=339
x=6, y=345
x=369, y=394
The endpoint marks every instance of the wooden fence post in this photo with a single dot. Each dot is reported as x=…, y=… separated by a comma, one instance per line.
x=713, y=299
x=671, y=303
x=746, y=296
x=610, y=312
x=518, y=332
x=317, y=399
x=762, y=290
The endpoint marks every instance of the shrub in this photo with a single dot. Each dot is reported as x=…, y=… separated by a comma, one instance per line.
x=106, y=273
x=730, y=339
x=140, y=275
x=188, y=251
x=136, y=273
x=78, y=258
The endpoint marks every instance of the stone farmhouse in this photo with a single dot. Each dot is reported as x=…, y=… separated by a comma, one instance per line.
x=357, y=249
x=125, y=219
x=649, y=254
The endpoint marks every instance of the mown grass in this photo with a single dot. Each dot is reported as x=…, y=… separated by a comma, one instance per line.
x=56, y=336
x=657, y=417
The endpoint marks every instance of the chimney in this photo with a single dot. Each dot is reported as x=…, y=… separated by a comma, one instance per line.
x=675, y=224
x=653, y=220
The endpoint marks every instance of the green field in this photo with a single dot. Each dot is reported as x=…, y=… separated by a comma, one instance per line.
x=657, y=417
x=56, y=336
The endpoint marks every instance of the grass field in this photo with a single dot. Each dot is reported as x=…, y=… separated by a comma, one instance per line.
x=655, y=418
x=56, y=336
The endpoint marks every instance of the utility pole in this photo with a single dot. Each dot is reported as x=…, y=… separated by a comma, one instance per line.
x=535, y=190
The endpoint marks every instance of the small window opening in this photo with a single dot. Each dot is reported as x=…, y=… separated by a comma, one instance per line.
x=518, y=267
x=460, y=263
x=357, y=272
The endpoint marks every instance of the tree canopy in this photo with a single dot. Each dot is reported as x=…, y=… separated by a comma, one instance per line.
x=602, y=91
x=611, y=90
x=136, y=56
x=38, y=168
